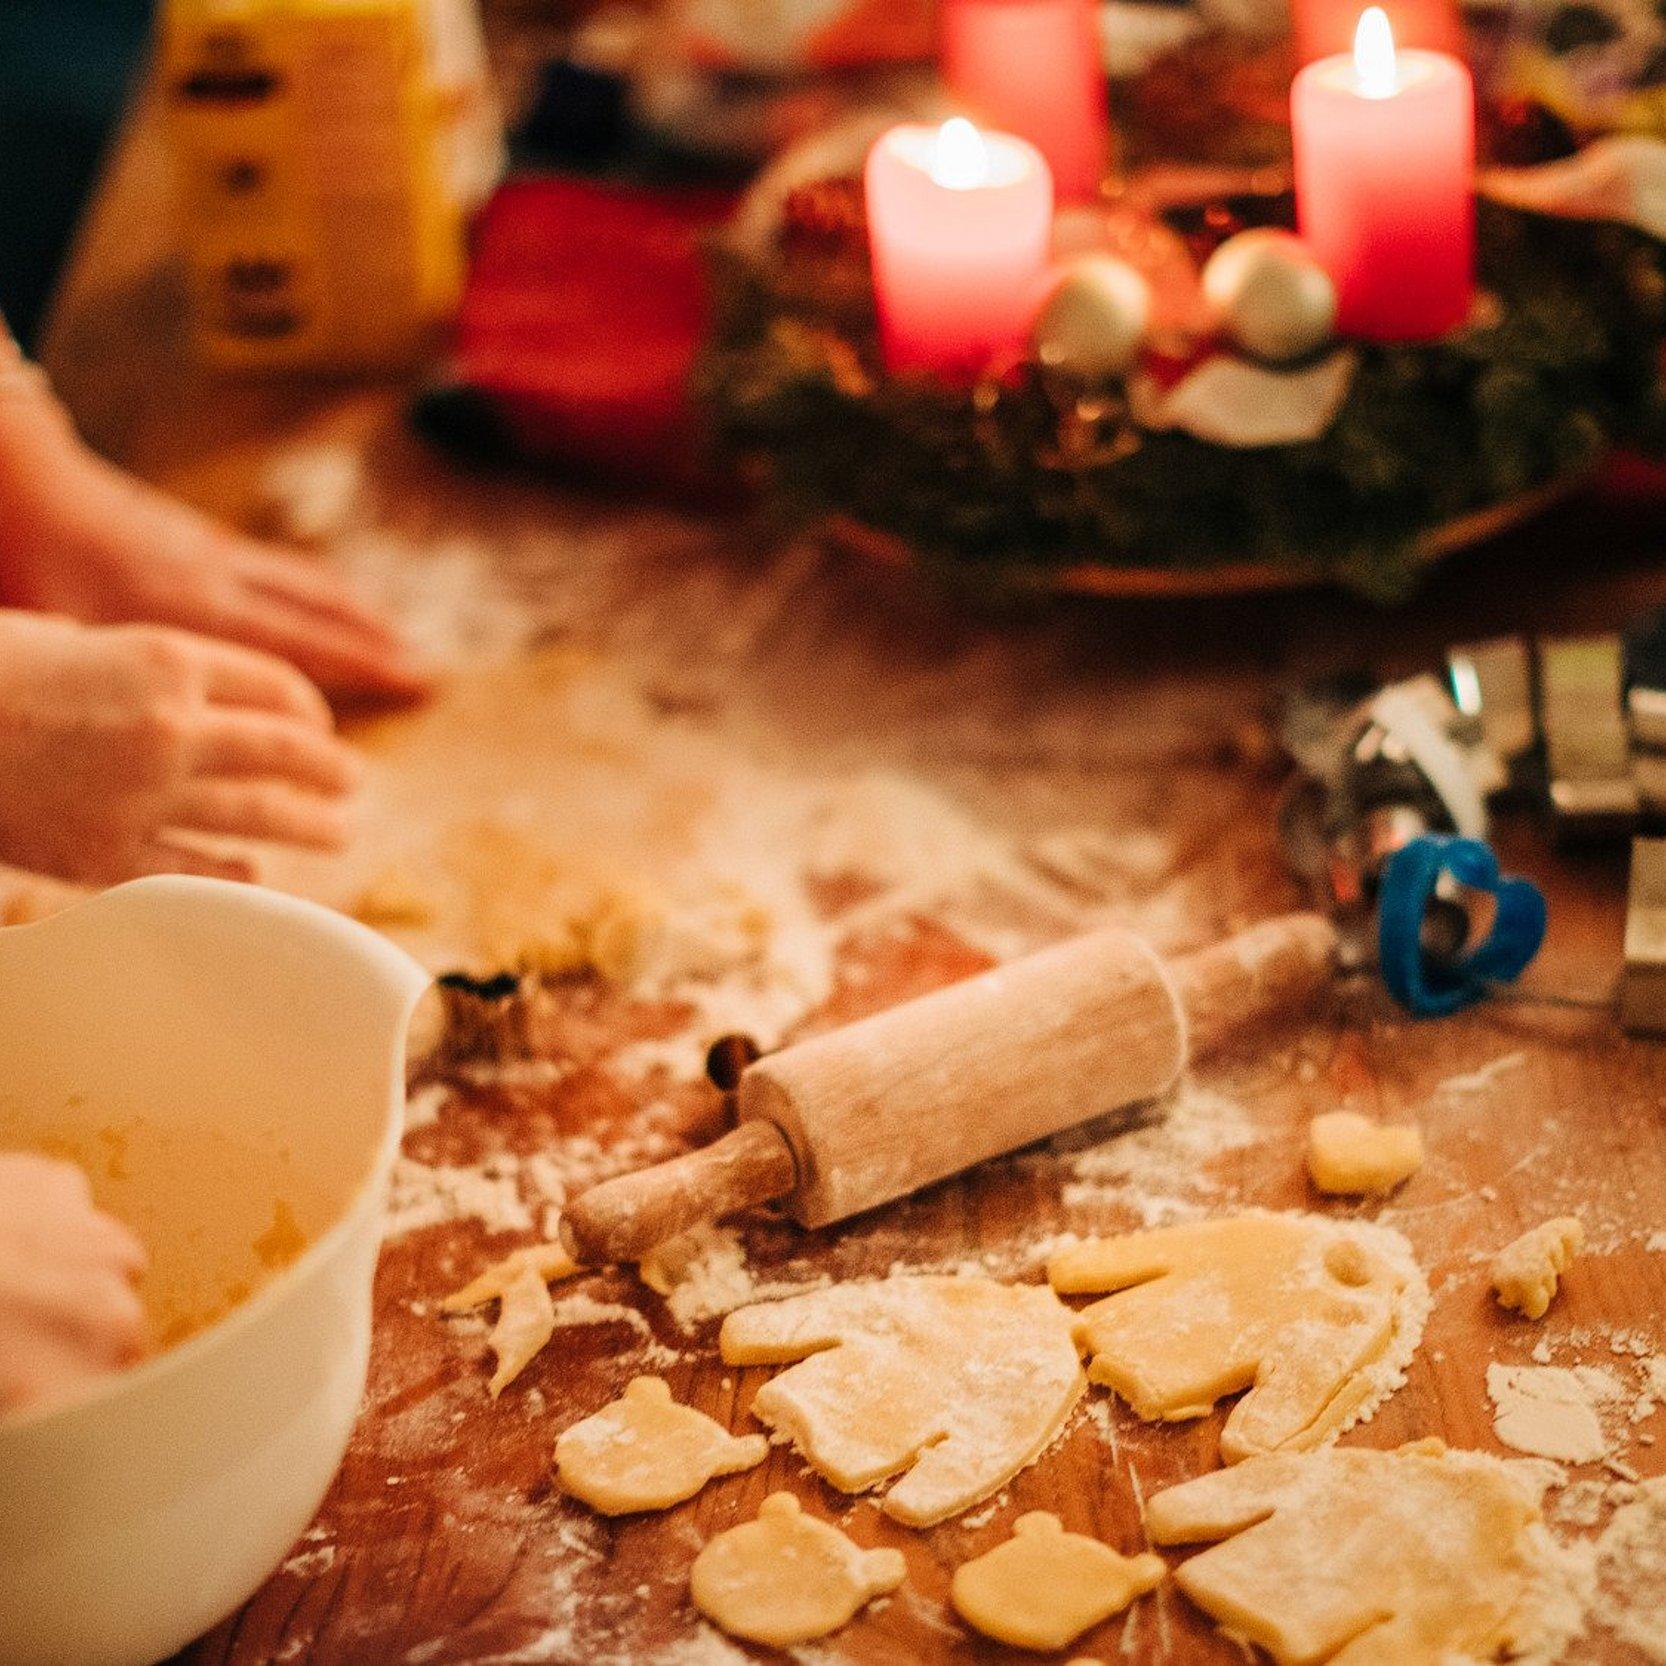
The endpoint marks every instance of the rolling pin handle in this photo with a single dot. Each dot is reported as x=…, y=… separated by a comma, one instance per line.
x=623, y=1219
x=1268, y=971
x=729, y=1058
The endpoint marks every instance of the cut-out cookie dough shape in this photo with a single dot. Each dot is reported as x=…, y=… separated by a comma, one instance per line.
x=787, y=1579
x=519, y=1284
x=959, y=1381
x=1527, y=1272
x=1421, y=1557
x=1348, y=1155
x=1316, y=1318
x=1044, y=1587
x=646, y=1452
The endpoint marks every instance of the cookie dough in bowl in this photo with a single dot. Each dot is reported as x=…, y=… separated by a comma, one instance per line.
x=227, y=1066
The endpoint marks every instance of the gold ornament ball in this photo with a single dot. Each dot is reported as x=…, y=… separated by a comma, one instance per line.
x=1095, y=318
x=1270, y=295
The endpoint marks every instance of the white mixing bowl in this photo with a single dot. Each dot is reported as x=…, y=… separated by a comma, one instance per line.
x=228, y=1065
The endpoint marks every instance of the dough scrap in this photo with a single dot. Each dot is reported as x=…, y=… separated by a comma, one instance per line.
x=550, y=1261
x=786, y=1579
x=1421, y=1557
x=647, y=1452
x=1044, y=1587
x=1348, y=1155
x=961, y=1382
x=1553, y=1411
x=395, y=900
x=1526, y=1273
x=1316, y=1318
x=519, y=1284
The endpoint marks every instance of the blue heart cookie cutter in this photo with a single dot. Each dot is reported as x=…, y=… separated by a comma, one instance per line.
x=1408, y=886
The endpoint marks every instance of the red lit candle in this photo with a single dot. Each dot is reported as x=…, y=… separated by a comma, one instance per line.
x=959, y=225
x=1324, y=27
x=1385, y=173
x=1033, y=67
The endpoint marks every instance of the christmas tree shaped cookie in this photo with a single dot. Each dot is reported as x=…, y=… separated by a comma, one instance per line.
x=960, y=1382
x=1421, y=1557
x=1527, y=1272
x=1316, y=1318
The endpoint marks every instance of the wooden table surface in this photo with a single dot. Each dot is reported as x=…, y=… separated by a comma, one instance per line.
x=442, y=1542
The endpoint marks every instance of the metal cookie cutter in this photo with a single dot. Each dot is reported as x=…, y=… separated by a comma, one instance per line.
x=1492, y=687
x=1388, y=824
x=1643, y=983
x=1377, y=771
x=1587, y=740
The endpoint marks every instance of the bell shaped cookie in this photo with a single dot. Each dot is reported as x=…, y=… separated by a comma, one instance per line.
x=646, y=1452
x=786, y=1579
x=1044, y=1587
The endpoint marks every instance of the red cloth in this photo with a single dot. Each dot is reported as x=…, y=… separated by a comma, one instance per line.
x=584, y=309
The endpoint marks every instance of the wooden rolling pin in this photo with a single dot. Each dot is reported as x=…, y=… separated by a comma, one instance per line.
x=868, y=1113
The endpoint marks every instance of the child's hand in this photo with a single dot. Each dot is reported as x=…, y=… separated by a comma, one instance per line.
x=68, y=1313
x=81, y=537
x=120, y=747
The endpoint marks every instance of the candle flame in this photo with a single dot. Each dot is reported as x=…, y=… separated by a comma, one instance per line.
x=959, y=156
x=1375, y=68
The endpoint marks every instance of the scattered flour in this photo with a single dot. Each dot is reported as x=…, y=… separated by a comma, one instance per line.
x=1630, y=1597
x=1386, y=1375
x=705, y=1647
x=703, y=1274
x=1159, y=1170
x=676, y=858
x=1103, y=1419
x=1554, y=1608
x=447, y=594
x=509, y=1192
x=581, y=1309
x=1554, y=1411
x=422, y=1108
x=1473, y=1082
x=432, y=1195
x=1582, y=1503
x=309, y=1564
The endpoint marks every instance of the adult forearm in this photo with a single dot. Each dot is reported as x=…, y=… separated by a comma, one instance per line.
x=36, y=438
